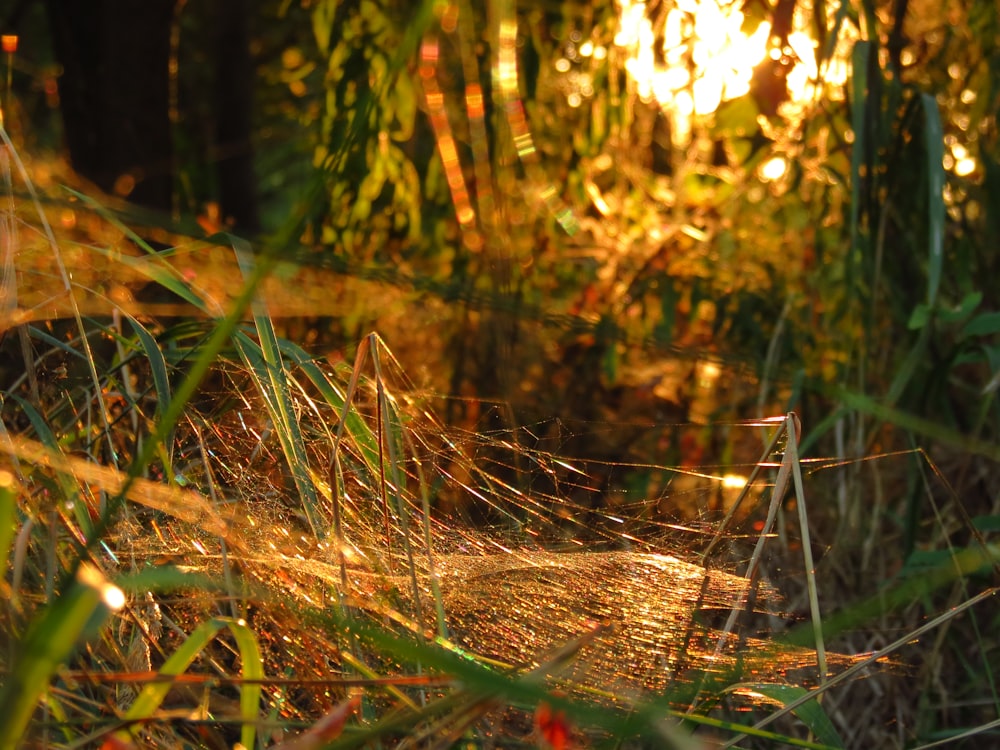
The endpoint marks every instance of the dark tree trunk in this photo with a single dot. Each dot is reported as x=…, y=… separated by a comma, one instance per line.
x=114, y=94
x=233, y=107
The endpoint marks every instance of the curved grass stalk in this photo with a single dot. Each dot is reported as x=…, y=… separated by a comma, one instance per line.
x=151, y=697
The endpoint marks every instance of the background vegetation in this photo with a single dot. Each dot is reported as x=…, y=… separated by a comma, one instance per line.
x=589, y=309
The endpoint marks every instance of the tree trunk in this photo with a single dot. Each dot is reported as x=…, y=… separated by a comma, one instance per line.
x=114, y=94
x=233, y=107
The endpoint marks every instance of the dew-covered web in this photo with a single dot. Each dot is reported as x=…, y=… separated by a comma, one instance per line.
x=495, y=542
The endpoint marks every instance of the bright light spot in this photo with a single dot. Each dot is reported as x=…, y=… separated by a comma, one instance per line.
x=707, y=58
x=88, y=575
x=708, y=373
x=965, y=167
x=773, y=169
x=587, y=48
x=114, y=597
x=734, y=482
x=562, y=65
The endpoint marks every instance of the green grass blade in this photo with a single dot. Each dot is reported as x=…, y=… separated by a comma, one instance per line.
x=48, y=643
x=859, y=118
x=253, y=672
x=157, y=365
x=273, y=382
x=55, y=343
x=963, y=562
x=151, y=697
x=934, y=135
x=8, y=515
x=810, y=713
x=919, y=425
x=272, y=378
x=67, y=483
x=361, y=434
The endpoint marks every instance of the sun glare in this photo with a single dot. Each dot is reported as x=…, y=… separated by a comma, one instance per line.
x=708, y=52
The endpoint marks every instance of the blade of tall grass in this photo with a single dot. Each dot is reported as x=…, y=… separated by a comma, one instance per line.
x=360, y=433
x=220, y=335
x=807, y=709
x=794, y=430
x=918, y=425
x=67, y=288
x=336, y=469
x=934, y=166
x=268, y=368
x=654, y=719
x=51, y=638
x=67, y=483
x=865, y=663
x=934, y=163
x=391, y=437
x=157, y=366
x=9, y=243
x=962, y=563
x=860, y=59
x=152, y=695
x=8, y=515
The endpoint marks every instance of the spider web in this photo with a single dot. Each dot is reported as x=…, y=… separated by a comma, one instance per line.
x=481, y=540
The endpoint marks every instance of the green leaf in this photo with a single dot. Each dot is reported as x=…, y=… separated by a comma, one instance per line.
x=922, y=561
x=67, y=482
x=985, y=324
x=918, y=425
x=986, y=524
x=920, y=316
x=358, y=429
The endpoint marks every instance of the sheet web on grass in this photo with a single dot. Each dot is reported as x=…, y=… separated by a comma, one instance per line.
x=519, y=554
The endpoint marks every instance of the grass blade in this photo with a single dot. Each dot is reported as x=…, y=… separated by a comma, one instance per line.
x=152, y=695
x=8, y=515
x=268, y=367
x=934, y=135
x=80, y=609
x=809, y=713
x=157, y=365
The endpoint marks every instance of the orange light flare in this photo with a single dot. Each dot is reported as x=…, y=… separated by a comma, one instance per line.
x=434, y=97
x=506, y=78
x=475, y=112
x=8, y=42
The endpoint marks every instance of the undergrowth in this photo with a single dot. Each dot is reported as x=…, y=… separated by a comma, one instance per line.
x=212, y=537
x=218, y=528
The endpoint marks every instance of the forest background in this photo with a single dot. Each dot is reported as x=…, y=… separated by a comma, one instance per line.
x=599, y=250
